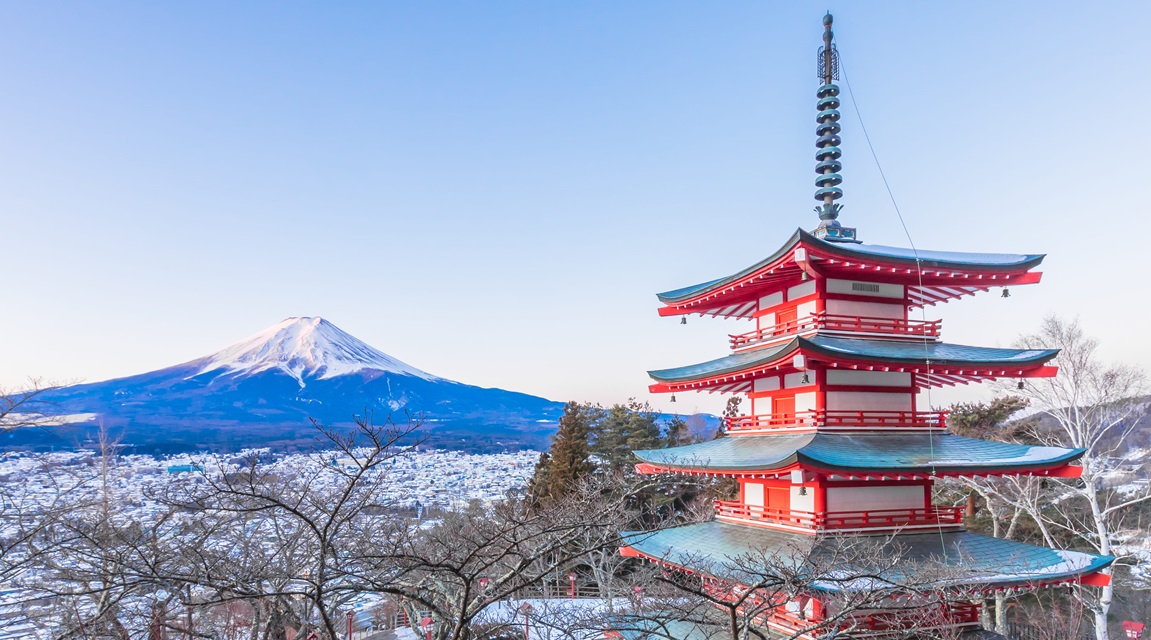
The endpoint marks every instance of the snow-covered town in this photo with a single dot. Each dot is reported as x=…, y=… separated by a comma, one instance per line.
x=419, y=483
x=415, y=479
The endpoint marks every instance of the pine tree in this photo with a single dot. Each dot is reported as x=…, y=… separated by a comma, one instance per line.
x=538, y=485
x=676, y=432
x=730, y=412
x=570, y=452
x=623, y=429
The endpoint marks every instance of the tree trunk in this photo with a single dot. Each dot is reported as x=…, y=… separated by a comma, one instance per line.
x=1103, y=606
x=1101, y=611
x=1000, y=613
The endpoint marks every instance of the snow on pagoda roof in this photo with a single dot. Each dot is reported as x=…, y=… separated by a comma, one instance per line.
x=964, y=558
x=944, y=357
x=860, y=454
x=955, y=269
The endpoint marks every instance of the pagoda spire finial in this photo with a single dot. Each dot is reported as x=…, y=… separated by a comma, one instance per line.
x=827, y=132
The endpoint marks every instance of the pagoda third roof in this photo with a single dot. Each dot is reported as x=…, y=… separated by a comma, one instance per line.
x=942, y=453
x=893, y=351
x=928, y=259
x=729, y=550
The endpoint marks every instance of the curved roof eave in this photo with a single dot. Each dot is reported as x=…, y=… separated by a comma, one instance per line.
x=880, y=453
x=678, y=295
x=728, y=364
x=903, y=352
x=975, y=559
x=926, y=259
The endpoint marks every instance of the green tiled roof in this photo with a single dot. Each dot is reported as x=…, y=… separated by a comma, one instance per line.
x=721, y=547
x=894, y=351
x=927, y=258
x=865, y=452
x=647, y=628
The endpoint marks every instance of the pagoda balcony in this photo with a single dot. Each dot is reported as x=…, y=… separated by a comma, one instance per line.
x=861, y=624
x=832, y=420
x=934, y=516
x=880, y=327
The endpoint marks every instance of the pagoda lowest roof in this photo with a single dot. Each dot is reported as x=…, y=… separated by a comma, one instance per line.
x=860, y=454
x=963, y=558
x=941, y=355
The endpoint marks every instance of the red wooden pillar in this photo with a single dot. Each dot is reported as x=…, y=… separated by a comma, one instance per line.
x=820, y=497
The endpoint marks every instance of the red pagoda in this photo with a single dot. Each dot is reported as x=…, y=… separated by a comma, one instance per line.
x=835, y=441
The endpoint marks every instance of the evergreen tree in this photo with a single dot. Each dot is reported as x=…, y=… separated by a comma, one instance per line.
x=730, y=412
x=623, y=429
x=987, y=421
x=676, y=432
x=538, y=485
x=570, y=452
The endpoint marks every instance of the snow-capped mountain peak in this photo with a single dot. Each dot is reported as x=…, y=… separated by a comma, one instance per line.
x=305, y=348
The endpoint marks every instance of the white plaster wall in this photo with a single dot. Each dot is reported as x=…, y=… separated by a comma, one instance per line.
x=857, y=308
x=869, y=378
x=802, y=503
x=765, y=384
x=796, y=379
x=805, y=309
x=885, y=290
x=874, y=498
x=766, y=321
x=866, y=401
x=753, y=494
x=770, y=300
x=801, y=289
x=804, y=402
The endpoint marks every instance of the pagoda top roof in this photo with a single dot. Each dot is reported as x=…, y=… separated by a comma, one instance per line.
x=964, y=558
x=943, y=357
x=860, y=454
x=934, y=268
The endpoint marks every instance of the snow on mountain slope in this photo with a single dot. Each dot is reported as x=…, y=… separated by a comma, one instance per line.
x=304, y=348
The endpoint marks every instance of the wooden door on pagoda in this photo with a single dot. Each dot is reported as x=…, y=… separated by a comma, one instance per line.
x=785, y=321
x=783, y=409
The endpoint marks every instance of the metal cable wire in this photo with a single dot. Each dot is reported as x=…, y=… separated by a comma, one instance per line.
x=918, y=270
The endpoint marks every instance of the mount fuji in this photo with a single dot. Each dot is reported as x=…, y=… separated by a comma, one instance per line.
x=263, y=391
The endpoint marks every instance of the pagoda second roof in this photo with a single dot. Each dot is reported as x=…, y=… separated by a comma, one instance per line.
x=866, y=350
x=723, y=549
x=860, y=454
x=930, y=262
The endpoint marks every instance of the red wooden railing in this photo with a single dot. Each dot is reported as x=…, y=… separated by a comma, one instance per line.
x=825, y=418
x=871, y=624
x=886, y=326
x=878, y=519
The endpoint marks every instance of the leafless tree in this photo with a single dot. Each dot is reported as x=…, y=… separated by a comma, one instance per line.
x=29, y=406
x=860, y=585
x=473, y=559
x=1094, y=406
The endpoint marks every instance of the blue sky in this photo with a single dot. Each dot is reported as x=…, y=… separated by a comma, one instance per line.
x=494, y=191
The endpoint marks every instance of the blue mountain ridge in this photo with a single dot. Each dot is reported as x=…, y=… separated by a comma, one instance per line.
x=272, y=385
